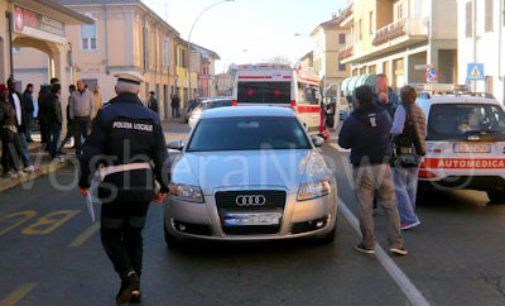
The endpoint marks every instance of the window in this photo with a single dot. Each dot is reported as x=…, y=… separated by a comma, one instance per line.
x=341, y=39
x=273, y=133
x=91, y=83
x=183, y=59
x=16, y=50
x=308, y=94
x=360, y=30
x=469, y=17
x=166, y=52
x=489, y=16
x=489, y=84
x=88, y=36
x=341, y=67
x=264, y=92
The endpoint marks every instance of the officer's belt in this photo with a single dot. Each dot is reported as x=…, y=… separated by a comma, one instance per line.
x=122, y=168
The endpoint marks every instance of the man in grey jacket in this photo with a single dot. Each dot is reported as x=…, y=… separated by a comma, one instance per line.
x=81, y=110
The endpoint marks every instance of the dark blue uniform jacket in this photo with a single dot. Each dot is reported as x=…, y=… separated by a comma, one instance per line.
x=366, y=133
x=126, y=132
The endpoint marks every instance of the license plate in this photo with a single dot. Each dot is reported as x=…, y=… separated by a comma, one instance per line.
x=472, y=148
x=244, y=219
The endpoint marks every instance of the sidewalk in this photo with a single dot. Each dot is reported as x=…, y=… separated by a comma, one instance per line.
x=41, y=160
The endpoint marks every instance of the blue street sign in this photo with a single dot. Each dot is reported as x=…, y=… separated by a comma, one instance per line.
x=475, y=72
x=431, y=74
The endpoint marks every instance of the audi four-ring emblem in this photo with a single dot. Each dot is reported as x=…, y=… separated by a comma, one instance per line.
x=251, y=200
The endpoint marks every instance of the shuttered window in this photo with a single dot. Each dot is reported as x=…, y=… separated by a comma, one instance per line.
x=469, y=19
x=88, y=35
x=489, y=15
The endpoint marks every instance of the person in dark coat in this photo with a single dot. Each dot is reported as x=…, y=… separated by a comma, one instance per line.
x=11, y=146
x=152, y=103
x=28, y=108
x=126, y=138
x=55, y=119
x=176, y=104
x=69, y=134
x=384, y=95
x=44, y=100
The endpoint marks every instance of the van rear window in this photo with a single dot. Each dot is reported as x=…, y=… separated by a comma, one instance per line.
x=264, y=92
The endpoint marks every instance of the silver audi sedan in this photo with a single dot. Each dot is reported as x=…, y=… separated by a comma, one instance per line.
x=250, y=173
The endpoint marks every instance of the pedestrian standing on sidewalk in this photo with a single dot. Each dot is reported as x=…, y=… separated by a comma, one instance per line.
x=130, y=137
x=45, y=98
x=98, y=100
x=176, y=104
x=68, y=136
x=55, y=118
x=366, y=133
x=384, y=95
x=82, y=108
x=409, y=134
x=11, y=146
x=152, y=103
x=28, y=108
x=16, y=100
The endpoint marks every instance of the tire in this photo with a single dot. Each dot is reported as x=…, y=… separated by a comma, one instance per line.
x=496, y=197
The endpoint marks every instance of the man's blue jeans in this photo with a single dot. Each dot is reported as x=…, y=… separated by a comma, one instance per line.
x=405, y=180
x=24, y=150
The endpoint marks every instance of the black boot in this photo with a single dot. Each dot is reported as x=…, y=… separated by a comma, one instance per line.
x=128, y=284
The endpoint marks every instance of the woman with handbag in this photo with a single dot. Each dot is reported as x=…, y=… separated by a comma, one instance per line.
x=409, y=134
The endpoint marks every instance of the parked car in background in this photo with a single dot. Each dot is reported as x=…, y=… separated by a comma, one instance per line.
x=207, y=104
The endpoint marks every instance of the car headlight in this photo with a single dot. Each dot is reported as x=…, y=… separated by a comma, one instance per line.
x=187, y=192
x=313, y=190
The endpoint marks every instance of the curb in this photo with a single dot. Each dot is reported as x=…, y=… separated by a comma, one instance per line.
x=51, y=167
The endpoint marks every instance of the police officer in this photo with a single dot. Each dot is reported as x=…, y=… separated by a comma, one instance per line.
x=127, y=141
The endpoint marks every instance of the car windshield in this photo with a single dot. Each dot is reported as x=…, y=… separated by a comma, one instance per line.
x=270, y=133
x=455, y=121
x=215, y=104
x=264, y=92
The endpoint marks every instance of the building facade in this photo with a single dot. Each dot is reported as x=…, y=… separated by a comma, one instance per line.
x=329, y=40
x=402, y=38
x=481, y=27
x=126, y=35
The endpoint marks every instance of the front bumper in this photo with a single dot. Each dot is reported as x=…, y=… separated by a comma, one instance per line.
x=202, y=220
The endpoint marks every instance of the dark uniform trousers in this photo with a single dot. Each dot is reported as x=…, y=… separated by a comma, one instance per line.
x=121, y=234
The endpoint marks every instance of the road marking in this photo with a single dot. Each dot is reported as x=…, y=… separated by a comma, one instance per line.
x=338, y=148
x=18, y=294
x=27, y=215
x=46, y=224
x=408, y=288
x=85, y=235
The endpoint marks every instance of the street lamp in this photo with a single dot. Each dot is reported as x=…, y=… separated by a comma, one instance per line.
x=231, y=56
x=188, y=72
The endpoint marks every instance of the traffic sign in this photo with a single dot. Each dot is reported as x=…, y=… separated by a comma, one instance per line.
x=475, y=72
x=431, y=74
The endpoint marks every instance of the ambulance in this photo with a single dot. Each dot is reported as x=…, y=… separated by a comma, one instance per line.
x=465, y=144
x=280, y=85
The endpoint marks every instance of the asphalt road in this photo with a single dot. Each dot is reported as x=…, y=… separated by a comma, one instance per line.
x=50, y=254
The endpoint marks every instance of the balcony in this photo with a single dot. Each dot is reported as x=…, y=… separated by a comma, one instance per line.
x=414, y=29
x=346, y=53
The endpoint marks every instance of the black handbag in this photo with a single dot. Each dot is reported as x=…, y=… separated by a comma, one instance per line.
x=404, y=145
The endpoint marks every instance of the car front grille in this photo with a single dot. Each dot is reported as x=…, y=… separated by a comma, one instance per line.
x=226, y=202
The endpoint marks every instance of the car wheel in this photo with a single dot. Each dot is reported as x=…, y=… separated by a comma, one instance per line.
x=496, y=197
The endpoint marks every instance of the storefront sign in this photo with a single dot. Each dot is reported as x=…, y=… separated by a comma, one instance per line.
x=25, y=18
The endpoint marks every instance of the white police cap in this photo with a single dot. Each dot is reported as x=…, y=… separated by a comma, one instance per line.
x=129, y=77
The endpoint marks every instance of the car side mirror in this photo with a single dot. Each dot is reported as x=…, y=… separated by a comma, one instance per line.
x=317, y=141
x=175, y=144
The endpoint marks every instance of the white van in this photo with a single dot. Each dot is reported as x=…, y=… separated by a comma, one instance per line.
x=282, y=86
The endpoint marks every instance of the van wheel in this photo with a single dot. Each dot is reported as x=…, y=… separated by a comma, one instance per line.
x=496, y=197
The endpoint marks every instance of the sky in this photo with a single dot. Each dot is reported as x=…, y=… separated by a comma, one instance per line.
x=265, y=28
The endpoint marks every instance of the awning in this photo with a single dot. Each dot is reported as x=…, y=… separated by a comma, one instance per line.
x=367, y=79
x=345, y=84
x=350, y=83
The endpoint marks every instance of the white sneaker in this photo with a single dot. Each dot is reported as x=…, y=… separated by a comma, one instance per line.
x=30, y=169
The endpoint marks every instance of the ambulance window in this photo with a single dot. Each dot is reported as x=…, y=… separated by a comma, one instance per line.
x=308, y=94
x=456, y=121
x=264, y=92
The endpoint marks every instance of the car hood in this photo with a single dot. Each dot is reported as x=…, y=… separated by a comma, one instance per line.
x=280, y=168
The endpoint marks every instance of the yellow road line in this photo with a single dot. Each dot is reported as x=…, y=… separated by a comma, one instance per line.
x=18, y=294
x=85, y=235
